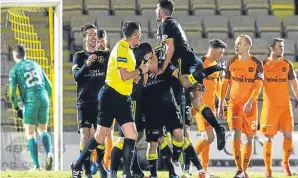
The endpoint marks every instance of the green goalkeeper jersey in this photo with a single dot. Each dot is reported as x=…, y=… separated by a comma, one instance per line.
x=30, y=79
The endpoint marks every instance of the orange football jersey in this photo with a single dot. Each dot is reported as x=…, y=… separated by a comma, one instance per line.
x=211, y=83
x=276, y=82
x=241, y=75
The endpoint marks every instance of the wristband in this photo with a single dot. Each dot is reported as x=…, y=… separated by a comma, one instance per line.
x=191, y=79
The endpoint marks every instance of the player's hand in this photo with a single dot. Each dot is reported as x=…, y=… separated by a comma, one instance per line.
x=91, y=59
x=144, y=67
x=222, y=112
x=145, y=77
x=184, y=81
x=247, y=106
x=20, y=113
x=153, y=68
x=137, y=79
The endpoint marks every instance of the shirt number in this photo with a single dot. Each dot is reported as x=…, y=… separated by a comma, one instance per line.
x=32, y=78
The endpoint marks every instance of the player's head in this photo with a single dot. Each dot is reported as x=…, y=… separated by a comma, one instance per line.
x=143, y=53
x=19, y=52
x=216, y=49
x=276, y=47
x=102, y=39
x=88, y=32
x=132, y=33
x=242, y=44
x=164, y=8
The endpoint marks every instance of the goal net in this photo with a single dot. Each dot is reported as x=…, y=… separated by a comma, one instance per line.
x=33, y=27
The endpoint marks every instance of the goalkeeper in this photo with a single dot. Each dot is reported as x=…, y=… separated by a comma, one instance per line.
x=35, y=90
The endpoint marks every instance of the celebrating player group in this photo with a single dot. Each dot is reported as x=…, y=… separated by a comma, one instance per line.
x=154, y=91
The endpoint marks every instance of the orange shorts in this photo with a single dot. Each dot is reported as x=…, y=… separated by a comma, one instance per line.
x=274, y=117
x=247, y=122
x=202, y=124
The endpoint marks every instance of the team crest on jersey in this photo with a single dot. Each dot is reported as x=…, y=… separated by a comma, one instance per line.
x=284, y=69
x=100, y=59
x=250, y=69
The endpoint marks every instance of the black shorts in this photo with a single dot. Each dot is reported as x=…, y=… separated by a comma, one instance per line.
x=138, y=118
x=87, y=117
x=177, y=90
x=160, y=111
x=189, y=62
x=112, y=104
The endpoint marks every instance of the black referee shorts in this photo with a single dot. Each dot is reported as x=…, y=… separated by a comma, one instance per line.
x=112, y=104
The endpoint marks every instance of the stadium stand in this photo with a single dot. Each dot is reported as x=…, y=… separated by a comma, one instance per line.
x=216, y=27
x=242, y=25
x=203, y=7
x=124, y=7
x=229, y=8
x=282, y=8
x=256, y=8
x=268, y=27
x=290, y=24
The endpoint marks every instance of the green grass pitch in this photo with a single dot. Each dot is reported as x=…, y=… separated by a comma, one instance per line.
x=67, y=174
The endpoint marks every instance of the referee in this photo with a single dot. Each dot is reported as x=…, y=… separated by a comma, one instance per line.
x=114, y=98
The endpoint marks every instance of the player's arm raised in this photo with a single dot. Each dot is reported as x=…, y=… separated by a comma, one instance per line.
x=257, y=86
x=293, y=82
x=79, y=71
x=167, y=38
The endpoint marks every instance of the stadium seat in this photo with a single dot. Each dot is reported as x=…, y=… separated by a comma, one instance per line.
x=229, y=8
x=289, y=52
x=290, y=24
x=78, y=42
x=229, y=51
x=151, y=41
x=112, y=24
x=78, y=21
x=97, y=5
x=72, y=5
x=216, y=27
x=256, y=7
x=200, y=46
x=68, y=14
x=268, y=27
x=192, y=25
x=112, y=42
x=143, y=20
x=282, y=8
x=203, y=7
x=124, y=7
x=259, y=46
x=147, y=7
x=153, y=25
x=242, y=25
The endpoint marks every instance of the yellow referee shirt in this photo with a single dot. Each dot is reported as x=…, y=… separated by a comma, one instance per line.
x=121, y=57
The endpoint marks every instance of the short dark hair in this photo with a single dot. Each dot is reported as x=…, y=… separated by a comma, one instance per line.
x=86, y=27
x=130, y=27
x=167, y=5
x=273, y=42
x=101, y=33
x=217, y=43
x=140, y=51
x=20, y=49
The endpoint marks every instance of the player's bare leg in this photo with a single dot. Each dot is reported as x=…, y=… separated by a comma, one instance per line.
x=47, y=143
x=32, y=145
x=287, y=150
x=236, y=148
x=267, y=154
x=196, y=99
